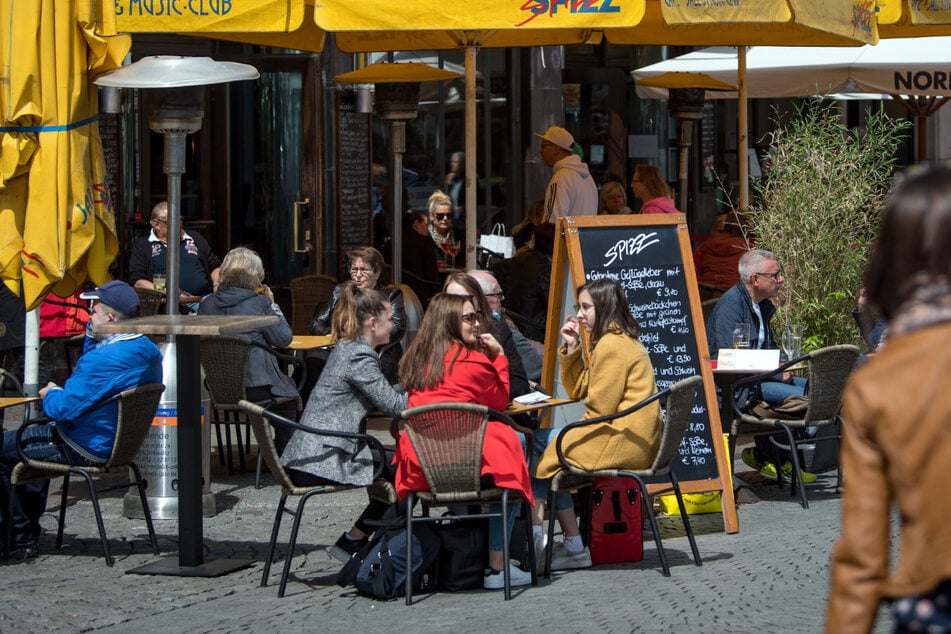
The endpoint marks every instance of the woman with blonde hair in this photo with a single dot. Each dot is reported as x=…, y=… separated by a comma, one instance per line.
x=453, y=360
x=440, y=228
x=612, y=200
x=649, y=185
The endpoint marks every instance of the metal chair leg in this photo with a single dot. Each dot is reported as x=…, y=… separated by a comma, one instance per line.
x=653, y=520
x=409, y=548
x=145, y=506
x=273, y=543
x=686, y=519
x=98, y=512
x=62, y=512
x=797, y=470
x=293, y=540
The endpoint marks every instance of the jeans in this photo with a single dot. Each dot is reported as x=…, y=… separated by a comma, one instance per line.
x=495, y=523
x=540, y=487
x=40, y=442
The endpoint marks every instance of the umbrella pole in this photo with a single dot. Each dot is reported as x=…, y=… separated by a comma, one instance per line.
x=31, y=357
x=741, y=141
x=471, y=240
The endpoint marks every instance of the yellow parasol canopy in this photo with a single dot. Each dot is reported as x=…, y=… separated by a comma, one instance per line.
x=56, y=214
x=392, y=73
x=901, y=18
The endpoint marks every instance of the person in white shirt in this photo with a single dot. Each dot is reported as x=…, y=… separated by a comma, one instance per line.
x=571, y=190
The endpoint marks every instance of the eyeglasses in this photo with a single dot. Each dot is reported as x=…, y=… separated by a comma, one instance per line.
x=635, y=180
x=161, y=221
x=583, y=307
x=498, y=294
x=472, y=318
x=361, y=270
x=775, y=275
x=442, y=216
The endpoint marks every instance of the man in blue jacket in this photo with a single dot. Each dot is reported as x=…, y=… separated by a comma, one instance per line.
x=80, y=433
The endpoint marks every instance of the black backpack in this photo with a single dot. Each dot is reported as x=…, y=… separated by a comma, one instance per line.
x=379, y=568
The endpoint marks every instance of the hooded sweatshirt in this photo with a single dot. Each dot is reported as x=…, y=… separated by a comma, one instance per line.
x=659, y=205
x=571, y=190
x=262, y=369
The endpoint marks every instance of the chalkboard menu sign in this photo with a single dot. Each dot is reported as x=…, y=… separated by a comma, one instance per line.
x=650, y=257
x=354, y=179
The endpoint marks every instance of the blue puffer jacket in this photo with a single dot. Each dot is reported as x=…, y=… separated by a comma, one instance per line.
x=119, y=362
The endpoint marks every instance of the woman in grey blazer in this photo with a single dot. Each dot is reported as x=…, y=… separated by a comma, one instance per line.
x=351, y=385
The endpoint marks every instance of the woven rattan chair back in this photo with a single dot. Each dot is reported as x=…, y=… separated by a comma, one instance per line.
x=447, y=439
x=829, y=368
x=264, y=434
x=677, y=412
x=225, y=360
x=150, y=301
x=307, y=293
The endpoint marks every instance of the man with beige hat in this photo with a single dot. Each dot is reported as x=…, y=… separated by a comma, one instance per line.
x=571, y=190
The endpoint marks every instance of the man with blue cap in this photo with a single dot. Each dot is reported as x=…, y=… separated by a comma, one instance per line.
x=78, y=432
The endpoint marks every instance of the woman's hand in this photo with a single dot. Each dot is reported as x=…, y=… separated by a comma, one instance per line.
x=490, y=345
x=571, y=333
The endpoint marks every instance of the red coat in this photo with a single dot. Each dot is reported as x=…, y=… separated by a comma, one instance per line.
x=474, y=379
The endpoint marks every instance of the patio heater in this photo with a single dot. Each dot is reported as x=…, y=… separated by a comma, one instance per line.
x=397, y=101
x=173, y=90
x=686, y=106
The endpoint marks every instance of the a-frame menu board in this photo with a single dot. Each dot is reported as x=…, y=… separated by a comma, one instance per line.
x=651, y=258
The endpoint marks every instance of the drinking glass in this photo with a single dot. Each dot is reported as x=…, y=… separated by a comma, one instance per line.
x=158, y=282
x=741, y=335
x=792, y=341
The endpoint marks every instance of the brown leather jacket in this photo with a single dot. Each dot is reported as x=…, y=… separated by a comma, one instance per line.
x=896, y=449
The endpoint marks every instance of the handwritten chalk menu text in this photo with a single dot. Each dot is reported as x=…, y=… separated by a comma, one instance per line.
x=647, y=262
x=354, y=184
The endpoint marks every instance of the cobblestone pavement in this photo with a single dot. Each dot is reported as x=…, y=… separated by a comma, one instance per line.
x=771, y=576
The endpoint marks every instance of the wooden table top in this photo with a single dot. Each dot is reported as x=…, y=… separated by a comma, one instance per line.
x=307, y=342
x=188, y=324
x=518, y=408
x=13, y=401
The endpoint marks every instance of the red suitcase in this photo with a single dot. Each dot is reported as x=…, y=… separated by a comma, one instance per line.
x=616, y=530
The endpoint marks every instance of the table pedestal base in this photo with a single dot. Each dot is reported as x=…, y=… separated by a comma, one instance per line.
x=170, y=566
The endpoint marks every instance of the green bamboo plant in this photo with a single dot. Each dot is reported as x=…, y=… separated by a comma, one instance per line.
x=817, y=209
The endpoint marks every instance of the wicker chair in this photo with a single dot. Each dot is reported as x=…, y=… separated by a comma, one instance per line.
x=264, y=422
x=828, y=370
x=680, y=398
x=136, y=409
x=307, y=293
x=151, y=302
x=447, y=439
x=225, y=361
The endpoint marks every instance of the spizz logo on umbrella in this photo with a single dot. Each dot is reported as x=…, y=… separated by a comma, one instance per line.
x=538, y=8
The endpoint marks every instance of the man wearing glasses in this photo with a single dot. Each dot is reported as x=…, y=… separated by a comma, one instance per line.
x=751, y=301
x=198, y=268
x=571, y=190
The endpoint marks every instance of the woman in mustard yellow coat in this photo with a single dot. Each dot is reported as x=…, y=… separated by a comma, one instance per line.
x=618, y=376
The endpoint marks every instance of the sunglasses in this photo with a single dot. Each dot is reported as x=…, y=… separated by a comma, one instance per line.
x=442, y=216
x=472, y=318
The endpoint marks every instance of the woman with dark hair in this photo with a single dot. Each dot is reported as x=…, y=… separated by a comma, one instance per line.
x=618, y=375
x=896, y=446
x=351, y=385
x=366, y=265
x=241, y=291
x=420, y=270
x=649, y=185
x=459, y=283
x=452, y=360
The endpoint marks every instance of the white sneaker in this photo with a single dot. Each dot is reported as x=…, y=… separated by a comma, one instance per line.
x=561, y=559
x=495, y=580
x=541, y=543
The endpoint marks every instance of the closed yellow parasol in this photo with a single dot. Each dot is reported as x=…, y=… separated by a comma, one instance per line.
x=56, y=217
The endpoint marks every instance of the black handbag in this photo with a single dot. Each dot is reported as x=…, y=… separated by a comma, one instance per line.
x=463, y=554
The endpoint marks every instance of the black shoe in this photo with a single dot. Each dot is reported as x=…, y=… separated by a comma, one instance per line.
x=24, y=552
x=344, y=548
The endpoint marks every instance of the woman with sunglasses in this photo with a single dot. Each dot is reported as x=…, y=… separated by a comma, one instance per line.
x=452, y=360
x=440, y=228
x=366, y=264
x=618, y=375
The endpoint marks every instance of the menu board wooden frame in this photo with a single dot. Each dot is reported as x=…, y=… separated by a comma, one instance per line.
x=650, y=255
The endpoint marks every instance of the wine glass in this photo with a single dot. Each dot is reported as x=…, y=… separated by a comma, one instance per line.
x=452, y=249
x=792, y=341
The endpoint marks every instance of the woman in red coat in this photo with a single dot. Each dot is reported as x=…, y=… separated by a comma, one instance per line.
x=450, y=360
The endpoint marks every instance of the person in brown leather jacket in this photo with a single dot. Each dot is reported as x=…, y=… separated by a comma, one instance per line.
x=896, y=435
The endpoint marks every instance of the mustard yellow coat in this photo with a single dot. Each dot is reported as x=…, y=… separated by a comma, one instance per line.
x=619, y=375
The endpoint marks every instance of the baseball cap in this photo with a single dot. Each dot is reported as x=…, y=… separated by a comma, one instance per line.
x=118, y=295
x=559, y=136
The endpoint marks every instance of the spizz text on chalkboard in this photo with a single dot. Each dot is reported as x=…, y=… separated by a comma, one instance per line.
x=629, y=246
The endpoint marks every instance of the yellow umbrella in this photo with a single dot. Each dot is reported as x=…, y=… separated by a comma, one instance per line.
x=53, y=189
x=901, y=18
